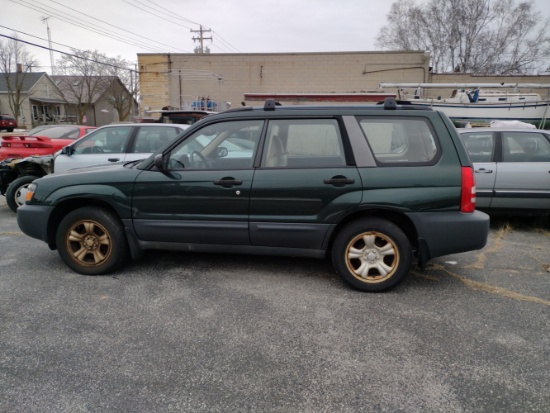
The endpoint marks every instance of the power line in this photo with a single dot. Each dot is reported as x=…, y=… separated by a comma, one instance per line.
x=78, y=21
x=110, y=24
x=68, y=54
x=56, y=13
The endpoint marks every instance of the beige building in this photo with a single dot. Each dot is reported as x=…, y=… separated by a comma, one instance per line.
x=187, y=81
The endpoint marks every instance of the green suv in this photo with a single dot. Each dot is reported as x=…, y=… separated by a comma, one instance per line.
x=371, y=187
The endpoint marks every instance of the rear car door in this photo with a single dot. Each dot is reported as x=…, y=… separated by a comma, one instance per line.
x=523, y=176
x=202, y=195
x=304, y=182
x=481, y=145
x=149, y=139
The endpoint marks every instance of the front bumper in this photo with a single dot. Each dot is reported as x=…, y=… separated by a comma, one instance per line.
x=33, y=221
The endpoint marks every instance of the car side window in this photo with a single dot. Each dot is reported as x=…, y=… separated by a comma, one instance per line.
x=150, y=139
x=223, y=145
x=400, y=141
x=107, y=140
x=525, y=147
x=303, y=143
x=479, y=145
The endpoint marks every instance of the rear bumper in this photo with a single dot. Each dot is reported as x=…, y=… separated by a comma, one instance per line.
x=444, y=233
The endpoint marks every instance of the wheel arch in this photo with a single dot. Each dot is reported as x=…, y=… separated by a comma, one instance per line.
x=68, y=206
x=396, y=217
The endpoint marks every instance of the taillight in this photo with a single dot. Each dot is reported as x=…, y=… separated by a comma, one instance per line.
x=37, y=145
x=468, y=190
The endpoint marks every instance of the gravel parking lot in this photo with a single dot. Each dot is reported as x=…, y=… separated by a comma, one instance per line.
x=177, y=332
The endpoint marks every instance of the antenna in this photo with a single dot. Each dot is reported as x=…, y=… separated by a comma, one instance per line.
x=45, y=19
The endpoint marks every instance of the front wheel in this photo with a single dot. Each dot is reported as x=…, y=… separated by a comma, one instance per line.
x=17, y=191
x=91, y=241
x=372, y=254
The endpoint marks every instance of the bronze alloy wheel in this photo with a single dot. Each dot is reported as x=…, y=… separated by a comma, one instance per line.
x=372, y=257
x=371, y=254
x=89, y=243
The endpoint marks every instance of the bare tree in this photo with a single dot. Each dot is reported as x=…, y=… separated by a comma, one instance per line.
x=123, y=70
x=86, y=75
x=15, y=64
x=472, y=36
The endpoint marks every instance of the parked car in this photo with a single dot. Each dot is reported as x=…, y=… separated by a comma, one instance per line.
x=133, y=141
x=116, y=143
x=512, y=168
x=47, y=141
x=7, y=123
x=371, y=187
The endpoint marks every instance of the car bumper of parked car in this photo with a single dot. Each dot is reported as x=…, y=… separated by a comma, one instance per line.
x=444, y=233
x=31, y=220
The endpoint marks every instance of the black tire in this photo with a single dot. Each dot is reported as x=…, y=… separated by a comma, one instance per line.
x=371, y=254
x=17, y=189
x=91, y=241
x=9, y=130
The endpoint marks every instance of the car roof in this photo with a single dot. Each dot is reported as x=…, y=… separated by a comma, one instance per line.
x=162, y=125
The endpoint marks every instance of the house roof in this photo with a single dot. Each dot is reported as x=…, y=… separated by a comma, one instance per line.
x=29, y=80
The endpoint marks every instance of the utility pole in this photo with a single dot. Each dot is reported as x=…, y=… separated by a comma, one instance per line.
x=45, y=19
x=201, y=39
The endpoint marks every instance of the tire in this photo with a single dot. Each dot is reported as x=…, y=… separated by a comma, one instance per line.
x=91, y=241
x=371, y=254
x=9, y=130
x=17, y=189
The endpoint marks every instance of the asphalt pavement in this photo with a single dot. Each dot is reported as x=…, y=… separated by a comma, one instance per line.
x=183, y=332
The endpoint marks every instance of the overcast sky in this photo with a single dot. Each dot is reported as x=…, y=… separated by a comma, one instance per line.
x=127, y=27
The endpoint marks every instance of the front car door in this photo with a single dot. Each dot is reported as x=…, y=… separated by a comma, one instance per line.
x=103, y=146
x=202, y=195
x=303, y=183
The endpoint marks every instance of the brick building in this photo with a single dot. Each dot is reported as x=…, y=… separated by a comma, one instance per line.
x=181, y=81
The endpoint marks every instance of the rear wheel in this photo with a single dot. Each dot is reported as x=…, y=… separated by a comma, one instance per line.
x=91, y=241
x=17, y=190
x=372, y=254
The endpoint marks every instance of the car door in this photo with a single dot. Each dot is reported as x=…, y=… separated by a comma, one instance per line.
x=481, y=145
x=523, y=175
x=202, y=194
x=105, y=145
x=303, y=183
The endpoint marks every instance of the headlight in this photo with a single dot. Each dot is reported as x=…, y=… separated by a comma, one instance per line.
x=30, y=192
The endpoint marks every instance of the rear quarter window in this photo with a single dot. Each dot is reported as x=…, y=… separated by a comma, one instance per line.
x=401, y=141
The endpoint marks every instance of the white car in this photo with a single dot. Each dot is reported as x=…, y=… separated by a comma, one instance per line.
x=116, y=143
x=512, y=168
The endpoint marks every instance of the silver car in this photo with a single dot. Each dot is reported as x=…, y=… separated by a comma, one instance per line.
x=116, y=143
x=512, y=167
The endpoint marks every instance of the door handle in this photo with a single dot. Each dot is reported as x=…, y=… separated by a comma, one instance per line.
x=113, y=159
x=484, y=171
x=339, y=181
x=228, y=182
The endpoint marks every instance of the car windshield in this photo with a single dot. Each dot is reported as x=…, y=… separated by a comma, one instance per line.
x=60, y=132
x=40, y=128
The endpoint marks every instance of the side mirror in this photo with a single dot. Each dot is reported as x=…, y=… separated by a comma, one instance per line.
x=159, y=162
x=222, y=152
x=67, y=150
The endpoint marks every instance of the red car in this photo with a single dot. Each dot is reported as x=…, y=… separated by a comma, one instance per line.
x=46, y=142
x=8, y=123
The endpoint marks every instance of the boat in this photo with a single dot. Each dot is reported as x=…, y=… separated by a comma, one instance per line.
x=480, y=103
x=319, y=98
